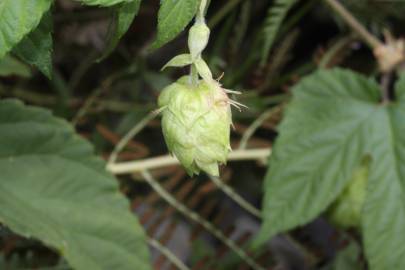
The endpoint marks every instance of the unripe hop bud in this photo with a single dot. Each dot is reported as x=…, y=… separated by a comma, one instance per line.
x=196, y=124
x=198, y=37
x=347, y=209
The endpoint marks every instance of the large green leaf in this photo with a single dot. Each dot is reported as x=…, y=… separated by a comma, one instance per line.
x=334, y=120
x=17, y=19
x=123, y=16
x=54, y=189
x=174, y=16
x=36, y=47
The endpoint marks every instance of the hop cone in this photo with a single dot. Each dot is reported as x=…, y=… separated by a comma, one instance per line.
x=196, y=124
x=346, y=210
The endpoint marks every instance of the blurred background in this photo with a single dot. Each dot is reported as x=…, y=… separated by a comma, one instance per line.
x=105, y=100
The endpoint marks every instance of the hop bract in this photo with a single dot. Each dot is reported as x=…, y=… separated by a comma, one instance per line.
x=198, y=37
x=196, y=124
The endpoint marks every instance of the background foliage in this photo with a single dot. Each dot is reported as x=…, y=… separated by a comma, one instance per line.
x=93, y=66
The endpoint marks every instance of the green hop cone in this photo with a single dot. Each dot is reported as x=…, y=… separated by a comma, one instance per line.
x=347, y=208
x=196, y=124
x=198, y=37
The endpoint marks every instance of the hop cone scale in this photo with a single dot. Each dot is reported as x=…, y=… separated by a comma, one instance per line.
x=196, y=124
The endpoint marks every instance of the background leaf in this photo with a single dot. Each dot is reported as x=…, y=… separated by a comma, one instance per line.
x=54, y=189
x=18, y=18
x=36, y=47
x=275, y=16
x=334, y=120
x=174, y=16
x=123, y=16
x=321, y=142
x=384, y=213
x=11, y=66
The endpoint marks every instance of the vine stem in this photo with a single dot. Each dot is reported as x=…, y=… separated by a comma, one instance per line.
x=168, y=160
x=370, y=39
x=256, y=124
x=132, y=133
x=167, y=253
x=200, y=220
x=228, y=190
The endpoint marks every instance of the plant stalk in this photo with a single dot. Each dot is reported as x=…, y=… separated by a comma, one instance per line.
x=168, y=160
x=369, y=38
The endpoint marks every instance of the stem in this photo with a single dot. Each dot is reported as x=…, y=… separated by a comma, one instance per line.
x=167, y=160
x=193, y=75
x=385, y=87
x=132, y=133
x=255, y=125
x=87, y=105
x=331, y=53
x=370, y=39
x=201, y=12
x=200, y=220
x=167, y=253
x=236, y=197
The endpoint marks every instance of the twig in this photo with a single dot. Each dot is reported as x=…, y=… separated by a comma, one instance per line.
x=370, y=39
x=236, y=197
x=167, y=253
x=255, y=125
x=385, y=87
x=334, y=49
x=197, y=218
x=132, y=133
x=86, y=107
x=167, y=160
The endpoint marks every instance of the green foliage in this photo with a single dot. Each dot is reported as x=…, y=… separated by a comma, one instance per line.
x=36, y=47
x=174, y=16
x=18, y=18
x=123, y=16
x=11, y=66
x=334, y=120
x=347, y=259
x=275, y=16
x=54, y=189
x=105, y=3
x=179, y=61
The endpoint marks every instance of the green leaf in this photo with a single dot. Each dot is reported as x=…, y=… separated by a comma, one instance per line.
x=335, y=120
x=11, y=66
x=18, y=18
x=203, y=69
x=347, y=259
x=384, y=213
x=174, y=16
x=275, y=17
x=54, y=189
x=179, y=61
x=105, y=3
x=36, y=47
x=123, y=16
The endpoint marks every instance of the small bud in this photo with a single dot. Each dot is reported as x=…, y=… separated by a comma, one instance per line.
x=196, y=124
x=347, y=209
x=198, y=37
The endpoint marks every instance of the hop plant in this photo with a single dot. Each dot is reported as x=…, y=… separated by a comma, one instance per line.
x=196, y=121
x=196, y=114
